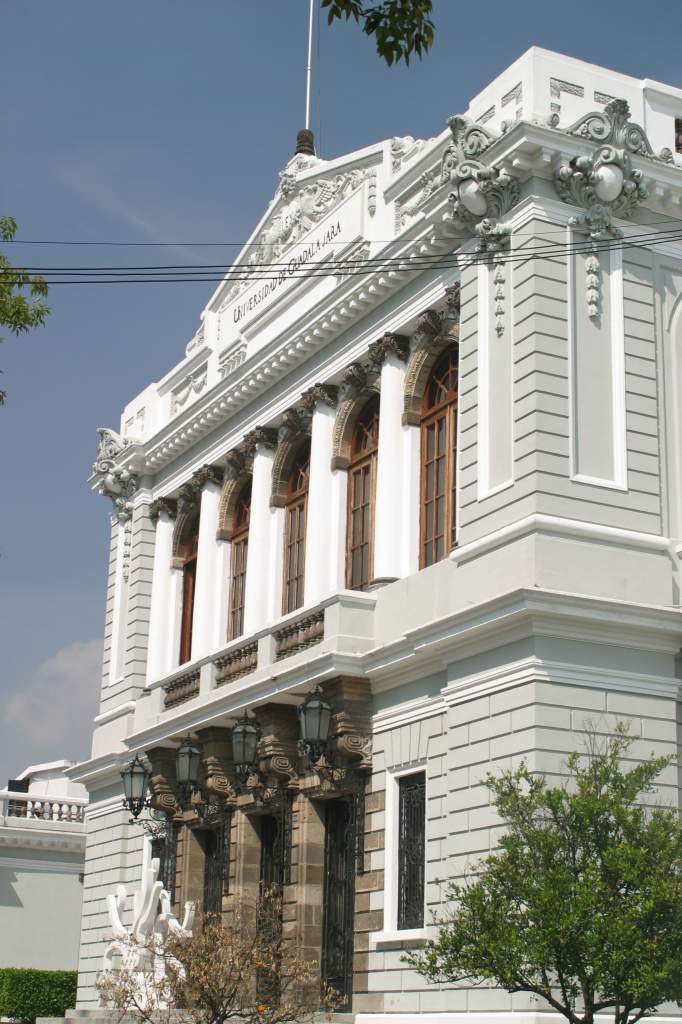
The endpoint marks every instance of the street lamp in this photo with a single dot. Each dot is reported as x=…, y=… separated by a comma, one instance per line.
x=187, y=762
x=135, y=783
x=245, y=735
x=314, y=717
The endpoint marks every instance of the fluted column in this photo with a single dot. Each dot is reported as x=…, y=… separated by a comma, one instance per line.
x=262, y=563
x=205, y=625
x=326, y=500
x=390, y=353
x=163, y=600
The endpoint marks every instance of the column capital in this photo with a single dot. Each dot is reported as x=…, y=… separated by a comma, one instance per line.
x=168, y=506
x=238, y=461
x=295, y=424
x=265, y=436
x=395, y=344
x=327, y=394
x=207, y=475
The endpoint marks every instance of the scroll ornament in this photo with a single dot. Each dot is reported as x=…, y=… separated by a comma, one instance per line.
x=479, y=190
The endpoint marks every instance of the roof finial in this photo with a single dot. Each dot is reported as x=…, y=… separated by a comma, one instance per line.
x=305, y=142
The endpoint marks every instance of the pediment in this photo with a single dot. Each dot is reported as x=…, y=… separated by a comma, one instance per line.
x=307, y=196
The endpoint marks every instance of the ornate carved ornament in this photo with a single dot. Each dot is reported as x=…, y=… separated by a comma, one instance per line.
x=479, y=190
x=168, y=506
x=265, y=436
x=395, y=344
x=118, y=484
x=301, y=206
x=207, y=475
x=110, y=445
x=605, y=184
x=295, y=424
x=325, y=394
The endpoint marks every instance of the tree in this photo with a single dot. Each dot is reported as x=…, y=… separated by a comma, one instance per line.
x=582, y=905
x=19, y=312
x=241, y=970
x=400, y=27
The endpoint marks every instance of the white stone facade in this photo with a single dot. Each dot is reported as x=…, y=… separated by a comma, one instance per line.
x=42, y=857
x=559, y=602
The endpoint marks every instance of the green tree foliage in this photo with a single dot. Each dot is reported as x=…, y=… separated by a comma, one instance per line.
x=400, y=27
x=26, y=993
x=582, y=904
x=21, y=294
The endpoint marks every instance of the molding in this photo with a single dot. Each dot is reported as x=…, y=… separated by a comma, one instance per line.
x=483, y=1017
x=114, y=713
x=406, y=713
x=55, y=866
x=558, y=526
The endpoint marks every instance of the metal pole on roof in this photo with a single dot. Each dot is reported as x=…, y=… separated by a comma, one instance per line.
x=308, y=69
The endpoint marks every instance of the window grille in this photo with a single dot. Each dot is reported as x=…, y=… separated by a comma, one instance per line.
x=295, y=530
x=678, y=134
x=165, y=850
x=361, y=492
x=240, y=547
x=411, y=850
x=439, y=460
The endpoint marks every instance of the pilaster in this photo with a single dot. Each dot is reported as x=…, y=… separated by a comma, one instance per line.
x=262, y=568
x=206, y=632
x=326, y=501
x=391, y=353
x=161, y=620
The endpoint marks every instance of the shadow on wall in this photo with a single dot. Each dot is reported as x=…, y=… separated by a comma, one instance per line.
x=8, y=893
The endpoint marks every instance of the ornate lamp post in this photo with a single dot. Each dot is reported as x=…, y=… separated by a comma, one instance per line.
x=135, y=783
x=245, y=736
x=314, y=717
x=187, y=764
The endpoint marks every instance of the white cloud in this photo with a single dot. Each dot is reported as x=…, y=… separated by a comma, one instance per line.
x=50, y=716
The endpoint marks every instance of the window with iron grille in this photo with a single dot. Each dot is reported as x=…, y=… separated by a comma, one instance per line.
x=361, y=491
x=411, y=850
x=296, y=509
x=439, y=460
x=240, y=547
x=678, y=134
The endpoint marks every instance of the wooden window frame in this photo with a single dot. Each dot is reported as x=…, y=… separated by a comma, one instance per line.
x=238, y=559
x=446, y=410
x=189, y=579
x=295, y=512
x=360, y=461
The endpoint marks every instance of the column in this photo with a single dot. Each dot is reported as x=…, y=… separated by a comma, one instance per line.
x=206, y=636
x=326, y=500
x=261, y=570
x=390, y=353
x=161, y=614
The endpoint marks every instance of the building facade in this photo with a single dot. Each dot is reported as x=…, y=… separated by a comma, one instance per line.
x=420, y=463
x=42, y=857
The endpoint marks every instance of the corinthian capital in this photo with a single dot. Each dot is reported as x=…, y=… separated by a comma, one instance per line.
x=207, y=475
x=397, y=344
x=326, y=394
x=168, y=506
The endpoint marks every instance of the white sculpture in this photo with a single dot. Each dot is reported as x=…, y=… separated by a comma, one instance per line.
x=138, y=949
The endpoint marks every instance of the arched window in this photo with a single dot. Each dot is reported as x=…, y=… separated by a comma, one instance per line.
x=188, y=554
x=240, y=547
x=439, y=460
x=296, y=508
x=362, y=473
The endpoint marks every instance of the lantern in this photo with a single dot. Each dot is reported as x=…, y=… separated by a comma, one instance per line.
x=187, y=760
x=314, y=716
x=135, y=781
x=245, y=735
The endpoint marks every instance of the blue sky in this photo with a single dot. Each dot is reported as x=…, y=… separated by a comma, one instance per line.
x=161, y=120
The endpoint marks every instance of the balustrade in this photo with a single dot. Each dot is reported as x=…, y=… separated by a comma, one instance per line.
x=236, y=663
x=297, y=636
x=21, y=805
x=181, y=688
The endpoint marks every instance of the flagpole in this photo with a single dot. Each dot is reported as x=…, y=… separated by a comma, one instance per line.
x=310, y=63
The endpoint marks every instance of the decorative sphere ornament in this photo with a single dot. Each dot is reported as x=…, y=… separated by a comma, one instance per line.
x=472, y=199
x=609, y=183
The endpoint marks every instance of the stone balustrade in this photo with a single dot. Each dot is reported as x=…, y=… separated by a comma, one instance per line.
x=181, y=688
x=297, y=636
x=31, y=807
x=238, y=662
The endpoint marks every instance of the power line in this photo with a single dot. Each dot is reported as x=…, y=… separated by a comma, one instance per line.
x=273, y=270
x=359, y=268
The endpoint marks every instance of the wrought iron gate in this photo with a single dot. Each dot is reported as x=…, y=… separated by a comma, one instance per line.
x=165, y=849
x=339, y=896
x=214, y=844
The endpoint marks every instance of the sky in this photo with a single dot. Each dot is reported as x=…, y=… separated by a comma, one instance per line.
x=168, y=121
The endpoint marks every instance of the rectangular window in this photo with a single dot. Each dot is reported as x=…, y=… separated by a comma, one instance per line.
x=411, y=850
x=294, y=555
x=360, y=507
x=237, y=583
x=678, y=134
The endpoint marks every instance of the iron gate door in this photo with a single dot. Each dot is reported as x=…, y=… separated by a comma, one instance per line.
x=339, y=896
x=213, y=871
